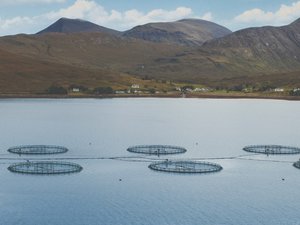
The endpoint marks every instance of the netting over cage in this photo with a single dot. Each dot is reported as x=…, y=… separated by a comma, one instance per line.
x=297, y=164
x=156, y=149
x=186, y=167
x=45, y=168
x=37, y=149
x=272, y=149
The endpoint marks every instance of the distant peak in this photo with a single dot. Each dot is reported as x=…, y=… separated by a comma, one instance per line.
x=64, y=18
x=190, y=19
x=189, y=32
x=67, y=25
x=69, y=19
x=194, y=20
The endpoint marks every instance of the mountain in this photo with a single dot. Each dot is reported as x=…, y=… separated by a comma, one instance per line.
x=272, y=48
x=188, y=32
x=65, y=25
x=31, y=63
x=92, y=50
x=34, y=73
x=242, y=56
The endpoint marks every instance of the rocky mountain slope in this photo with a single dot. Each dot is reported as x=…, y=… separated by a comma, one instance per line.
x=275, y=48
x=246, y=53
x=65, y=25
x=188, y=32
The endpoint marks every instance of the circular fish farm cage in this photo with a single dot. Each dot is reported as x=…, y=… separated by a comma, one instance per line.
x=45, y=168
x=186, y=167
x=297, y=164
x=37, y=150
x=272, y=149
x=156, y=149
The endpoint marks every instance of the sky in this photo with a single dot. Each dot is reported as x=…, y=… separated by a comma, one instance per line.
x=30, y=16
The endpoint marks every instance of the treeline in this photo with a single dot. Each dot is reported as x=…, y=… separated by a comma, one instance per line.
x=59, y=90
x=242, y=87
x=56, y=90
x=295, y=92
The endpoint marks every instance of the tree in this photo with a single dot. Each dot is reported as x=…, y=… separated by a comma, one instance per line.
x=152, y=91
x=103, y=90
x=295, y=92
x=57, y=90
x=239, y=87
x=187, y=87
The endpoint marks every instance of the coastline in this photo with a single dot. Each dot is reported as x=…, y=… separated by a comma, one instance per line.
x=173, y=95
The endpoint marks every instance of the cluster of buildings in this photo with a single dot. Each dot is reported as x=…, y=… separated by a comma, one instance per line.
x=203, y=89
x=277, y=90
x=135, y=89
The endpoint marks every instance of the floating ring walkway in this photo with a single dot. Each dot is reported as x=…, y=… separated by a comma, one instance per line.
x=186, y=167
x=45, y=168
x=37, y=149
x=156, y=149
x=297, y=164
x=272, y=149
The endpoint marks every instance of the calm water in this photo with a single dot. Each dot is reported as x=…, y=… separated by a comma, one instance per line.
x=244, y=192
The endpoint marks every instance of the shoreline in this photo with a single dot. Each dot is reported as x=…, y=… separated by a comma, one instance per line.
x=200, y=96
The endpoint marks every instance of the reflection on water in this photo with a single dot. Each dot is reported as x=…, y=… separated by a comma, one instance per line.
x=117, y=187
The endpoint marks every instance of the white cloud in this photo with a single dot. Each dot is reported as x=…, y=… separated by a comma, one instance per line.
x=16, y=21
x=94, y=12
x=207, y=16
x=11, y=2
x=16, y=25
x=285, y=14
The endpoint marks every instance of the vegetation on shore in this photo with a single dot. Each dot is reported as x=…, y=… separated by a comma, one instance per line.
x=163, y=88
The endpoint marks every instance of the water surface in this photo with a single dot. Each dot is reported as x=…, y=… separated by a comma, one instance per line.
x=250, y=190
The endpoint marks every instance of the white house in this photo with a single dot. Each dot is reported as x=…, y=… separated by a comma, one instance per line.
x=135, y=86
x=120, y=92
x=279, y=90
x=201, y=89
x=75, y=90
x=296, y=89
x=189, y=90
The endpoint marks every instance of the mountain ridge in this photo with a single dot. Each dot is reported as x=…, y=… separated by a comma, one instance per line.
x=247, y=53
x=190, y=32
x=254, y=55
x=275, y=45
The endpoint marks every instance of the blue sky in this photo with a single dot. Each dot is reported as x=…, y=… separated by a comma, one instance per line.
x=30, y=16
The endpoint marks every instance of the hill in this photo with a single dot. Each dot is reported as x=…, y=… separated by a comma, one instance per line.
x=188, y=32
x=253, y=56
x=250, y=53
x=31, y=63
x=65, y=25
x=23, y=75
x=271, y=48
